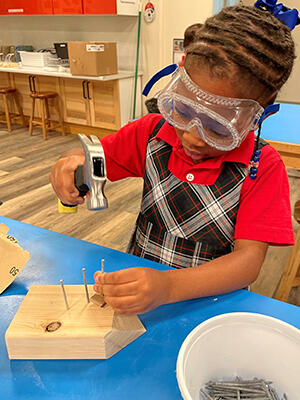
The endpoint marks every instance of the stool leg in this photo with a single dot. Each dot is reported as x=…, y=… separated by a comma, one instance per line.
x=61, y=121
x=289, y=276
x=7, y=113
x=31, y=116
x=44, y=128
x=47, y=113
x=19, y=108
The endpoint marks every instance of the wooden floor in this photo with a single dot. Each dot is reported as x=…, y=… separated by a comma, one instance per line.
x=27, y=196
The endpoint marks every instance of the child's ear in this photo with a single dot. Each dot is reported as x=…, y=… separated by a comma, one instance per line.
x=271, y=99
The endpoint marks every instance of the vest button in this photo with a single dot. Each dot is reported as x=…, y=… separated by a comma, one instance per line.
x=190, y=177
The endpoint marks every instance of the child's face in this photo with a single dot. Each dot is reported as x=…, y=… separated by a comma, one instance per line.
x=194, y=146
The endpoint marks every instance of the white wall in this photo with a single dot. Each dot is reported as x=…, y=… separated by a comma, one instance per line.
x=43, y=31
x=172, y=18
x=291, y=90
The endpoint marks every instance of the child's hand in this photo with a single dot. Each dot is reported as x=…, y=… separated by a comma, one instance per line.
x=62, y=176
x=133, y=290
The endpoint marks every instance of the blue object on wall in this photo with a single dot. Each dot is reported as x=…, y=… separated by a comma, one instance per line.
x=219, y=4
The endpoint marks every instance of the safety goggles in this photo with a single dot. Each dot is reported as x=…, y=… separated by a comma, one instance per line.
x=221, y=122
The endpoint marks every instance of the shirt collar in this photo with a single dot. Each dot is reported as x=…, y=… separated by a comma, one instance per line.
x=241, y=154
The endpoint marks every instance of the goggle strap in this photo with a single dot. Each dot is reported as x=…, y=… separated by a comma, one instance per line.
x=254, y=163
x=271, y=109
x=160, y=74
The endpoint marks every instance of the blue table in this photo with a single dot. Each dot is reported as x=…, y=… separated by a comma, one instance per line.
x=145, y=369
x=284, y=125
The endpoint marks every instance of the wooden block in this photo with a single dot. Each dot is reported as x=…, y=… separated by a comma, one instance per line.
x=44, y=329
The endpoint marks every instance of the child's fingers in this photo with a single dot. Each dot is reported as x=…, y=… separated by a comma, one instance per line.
x=113, y=278
x=97, y=276
x=122, y=303
x=62, y=179
x=115, y=290
x=126, y=289
x=98, y=289
x=119, y=277
x=68, y=193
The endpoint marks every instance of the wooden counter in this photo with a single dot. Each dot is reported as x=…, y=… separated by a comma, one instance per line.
x=90, y=104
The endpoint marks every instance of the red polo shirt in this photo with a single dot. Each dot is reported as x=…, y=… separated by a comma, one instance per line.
x=264, y=213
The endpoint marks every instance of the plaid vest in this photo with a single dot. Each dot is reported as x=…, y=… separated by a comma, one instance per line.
x=182, y=224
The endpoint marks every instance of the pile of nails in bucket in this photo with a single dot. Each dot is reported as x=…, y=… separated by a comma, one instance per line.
x=256, y=389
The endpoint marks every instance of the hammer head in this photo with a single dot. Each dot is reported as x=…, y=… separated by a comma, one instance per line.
x=94, y=172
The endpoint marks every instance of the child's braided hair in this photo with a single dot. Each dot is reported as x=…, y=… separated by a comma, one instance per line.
x=244, y=41
x=190, y=34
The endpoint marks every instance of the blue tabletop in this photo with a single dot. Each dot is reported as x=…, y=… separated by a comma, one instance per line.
x=284, y=125
x=146, y=368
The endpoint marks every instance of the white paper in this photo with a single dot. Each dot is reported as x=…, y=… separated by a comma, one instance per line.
x=95, y=47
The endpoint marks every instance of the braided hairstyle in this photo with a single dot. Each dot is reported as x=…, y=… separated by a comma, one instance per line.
x=190, y=34
x=244, y=44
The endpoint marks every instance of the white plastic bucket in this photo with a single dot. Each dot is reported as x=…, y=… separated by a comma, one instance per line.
x=247, y=345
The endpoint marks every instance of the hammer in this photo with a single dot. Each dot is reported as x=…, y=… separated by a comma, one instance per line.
x=90, y=177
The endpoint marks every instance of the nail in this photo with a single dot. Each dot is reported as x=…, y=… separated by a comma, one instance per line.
x=102, y=270
x=64, y=293
x=85, y=285
x=206, y=395
x=274, y=394
x=256, y=389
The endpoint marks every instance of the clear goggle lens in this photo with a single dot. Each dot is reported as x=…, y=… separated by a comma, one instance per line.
x=184, y=114
x=221, y=122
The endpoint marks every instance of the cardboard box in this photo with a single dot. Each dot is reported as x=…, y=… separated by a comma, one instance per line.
x=93, y=58
x=13, y=258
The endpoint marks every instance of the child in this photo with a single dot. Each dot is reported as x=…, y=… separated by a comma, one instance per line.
x=201, y=212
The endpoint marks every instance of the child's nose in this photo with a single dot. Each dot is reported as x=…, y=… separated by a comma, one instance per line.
x=194, y=139
x=200, y=143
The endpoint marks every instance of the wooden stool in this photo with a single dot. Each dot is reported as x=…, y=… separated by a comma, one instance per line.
x=9, y=91
x=291, y=274
x=46, y=123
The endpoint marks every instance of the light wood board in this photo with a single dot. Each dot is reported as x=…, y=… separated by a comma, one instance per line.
x=85, y=330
